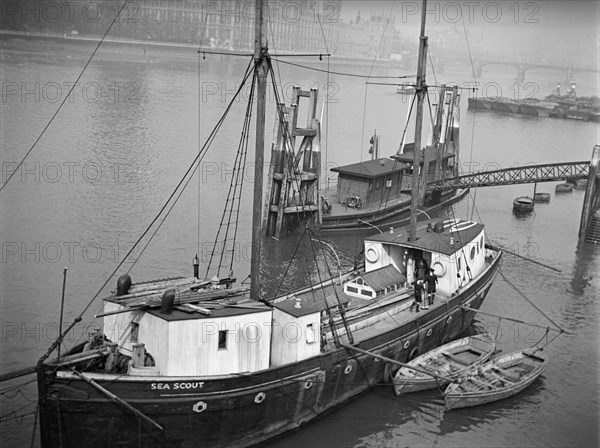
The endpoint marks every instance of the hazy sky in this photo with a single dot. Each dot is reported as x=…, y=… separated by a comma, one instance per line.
x=565, y=30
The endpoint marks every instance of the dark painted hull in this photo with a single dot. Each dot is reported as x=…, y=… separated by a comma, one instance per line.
x=397, y=215
x=241, y=410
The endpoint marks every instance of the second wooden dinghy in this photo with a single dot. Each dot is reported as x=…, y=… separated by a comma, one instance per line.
x=496, y=380
x=448, y=361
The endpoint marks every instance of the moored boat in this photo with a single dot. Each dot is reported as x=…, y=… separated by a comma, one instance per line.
x=197, y=362
x=541, y=197
x=523, y=204
x=566, y=187
x=448, y=361
x=496, y=380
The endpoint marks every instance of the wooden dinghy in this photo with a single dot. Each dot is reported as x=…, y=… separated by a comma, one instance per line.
x=496, y=380
x=448, y=361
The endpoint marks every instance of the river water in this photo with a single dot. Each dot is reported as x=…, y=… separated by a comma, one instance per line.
x=127, y=134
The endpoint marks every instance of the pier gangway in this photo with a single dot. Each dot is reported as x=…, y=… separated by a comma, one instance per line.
x=549, y=172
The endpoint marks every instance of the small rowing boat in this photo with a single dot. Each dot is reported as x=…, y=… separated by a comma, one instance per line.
x=541, y=197
x=496, y=380
x=448, y=361
x=564, y=188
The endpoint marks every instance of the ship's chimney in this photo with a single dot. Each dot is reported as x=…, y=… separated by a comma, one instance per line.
x=196, y=264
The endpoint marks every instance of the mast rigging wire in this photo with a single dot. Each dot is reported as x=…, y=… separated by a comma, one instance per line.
x=191, y=170
x=55, y=114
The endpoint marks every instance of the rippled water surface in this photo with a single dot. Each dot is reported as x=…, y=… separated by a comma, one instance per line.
x=108, y=162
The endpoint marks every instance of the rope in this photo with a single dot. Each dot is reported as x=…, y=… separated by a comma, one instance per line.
x=529, y=301
x=66, y=97
x=237, y=179
x=35, y=420
x=355, y=75
x=290, y=263
x=176, y=191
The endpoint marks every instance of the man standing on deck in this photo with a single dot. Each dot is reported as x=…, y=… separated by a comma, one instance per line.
x=418, y=285
x=431, y=281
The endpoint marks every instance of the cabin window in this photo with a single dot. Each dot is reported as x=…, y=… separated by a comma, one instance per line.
x=459, y=259
x=472, y=253
x=222, y=339
x=359, y=281
x=364, y=292
x=352, y=289
x=481, y=243
x=377, y=184
x=388, y=183
x=135, y=329
x=310, y=334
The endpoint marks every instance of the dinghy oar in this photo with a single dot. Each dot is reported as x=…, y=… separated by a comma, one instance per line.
x=117, y=400
x=393, y=361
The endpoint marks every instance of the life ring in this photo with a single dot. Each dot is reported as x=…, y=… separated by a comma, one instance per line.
x=308, y=385
x=199, y=407
x=371, y=254
x=439, y=269
x=260, y=397
x=348, y=369
x=406, y=344
x=413, y=354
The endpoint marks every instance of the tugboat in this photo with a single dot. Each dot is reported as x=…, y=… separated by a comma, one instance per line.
x=193, y=362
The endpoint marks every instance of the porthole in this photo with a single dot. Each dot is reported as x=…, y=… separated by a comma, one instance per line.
x=260, y=397
x=406, y=344
x=348, y=369
x=449, y=319
x=308, y=385
x=199, y=407
x=429, y=332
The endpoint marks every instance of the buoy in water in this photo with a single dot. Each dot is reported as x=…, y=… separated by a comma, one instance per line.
x=564, y=188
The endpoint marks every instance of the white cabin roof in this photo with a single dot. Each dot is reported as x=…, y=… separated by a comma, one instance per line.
x=456, y=233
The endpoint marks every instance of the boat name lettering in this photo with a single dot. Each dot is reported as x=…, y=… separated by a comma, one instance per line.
x=177, y=386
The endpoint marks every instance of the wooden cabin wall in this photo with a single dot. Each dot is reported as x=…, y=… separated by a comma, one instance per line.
x=449, y=282
x=194, y=345
x=383, y=193
x=351, y=186
x=289, y=337
x=117, y=327
x=387, y=254
x=154, y=334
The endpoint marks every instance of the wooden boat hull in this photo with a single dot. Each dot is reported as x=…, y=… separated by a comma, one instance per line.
x=564, y=188
x=244, y=409
x=541, y=197
x=397, y=215
x=406, y=382
x=454, y=399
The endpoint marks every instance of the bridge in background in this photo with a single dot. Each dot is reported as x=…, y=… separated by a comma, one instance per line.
x=521, y=68
x=589, y=227
x=549, y=172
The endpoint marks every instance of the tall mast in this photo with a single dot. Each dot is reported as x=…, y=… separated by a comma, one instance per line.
x=261, y=67
x=421, y=89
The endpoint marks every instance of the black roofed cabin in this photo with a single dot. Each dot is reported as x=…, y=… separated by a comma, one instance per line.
x=373, y=181
x=439, y=166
